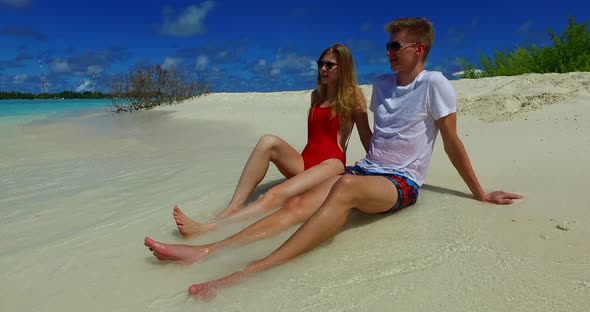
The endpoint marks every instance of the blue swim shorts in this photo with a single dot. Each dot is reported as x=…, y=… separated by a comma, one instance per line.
x=407, y=190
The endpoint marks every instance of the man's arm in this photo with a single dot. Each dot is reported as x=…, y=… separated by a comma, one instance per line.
x=459, y=158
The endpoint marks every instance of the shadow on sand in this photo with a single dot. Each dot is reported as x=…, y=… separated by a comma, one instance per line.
x=358, y=219
x=355, y=218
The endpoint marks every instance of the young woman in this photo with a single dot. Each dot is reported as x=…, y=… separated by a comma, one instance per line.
x=336, y=105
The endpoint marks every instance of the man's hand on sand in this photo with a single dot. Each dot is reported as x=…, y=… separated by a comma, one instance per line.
x=501, y=198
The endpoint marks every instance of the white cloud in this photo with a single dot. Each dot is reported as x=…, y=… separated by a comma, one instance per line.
x=18, y=79
x=223, y=54
x=172, y=61
x=95, y=69
x=202, y=61
x=16, y=3
x=60, y=66
x=312, y=70
x=366, y=27
x=526, y=27
x=261, y=66
x=188, y=22
x=84, y=86
x=459, y=73
x=286, y=63
x=290, y=61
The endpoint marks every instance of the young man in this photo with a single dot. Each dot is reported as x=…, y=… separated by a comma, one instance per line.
x=410, y=107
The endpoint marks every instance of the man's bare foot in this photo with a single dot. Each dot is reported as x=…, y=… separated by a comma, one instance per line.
x=208, y=291
x=175, y=252
x=187, y=227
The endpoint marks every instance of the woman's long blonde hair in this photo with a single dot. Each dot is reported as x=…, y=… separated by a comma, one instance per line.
x=347, y=95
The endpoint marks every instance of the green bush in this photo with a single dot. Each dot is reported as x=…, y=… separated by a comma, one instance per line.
x=570, y=51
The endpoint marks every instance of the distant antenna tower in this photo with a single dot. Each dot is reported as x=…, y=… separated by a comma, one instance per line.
x=42, y=76
x=94, y=82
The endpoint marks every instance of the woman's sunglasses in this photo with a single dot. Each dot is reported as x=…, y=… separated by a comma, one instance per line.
x=329, y=65
x=396, y=46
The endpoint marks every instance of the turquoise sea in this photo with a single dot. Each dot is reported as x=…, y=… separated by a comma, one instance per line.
x=50, y=108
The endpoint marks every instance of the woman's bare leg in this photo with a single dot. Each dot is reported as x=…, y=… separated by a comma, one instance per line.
x=278, y=195
x=187, y=227
x=269, y=149
x=273, y=198
x=297, y=210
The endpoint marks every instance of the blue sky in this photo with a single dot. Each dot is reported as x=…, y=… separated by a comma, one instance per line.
x=243, y=46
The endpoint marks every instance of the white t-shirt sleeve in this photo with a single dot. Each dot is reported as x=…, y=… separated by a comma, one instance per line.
x=377, y=96
x=442, y=100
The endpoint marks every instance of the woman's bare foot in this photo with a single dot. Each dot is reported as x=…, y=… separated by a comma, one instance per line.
x=208, y=291
x=187, y=227
x=175, y=252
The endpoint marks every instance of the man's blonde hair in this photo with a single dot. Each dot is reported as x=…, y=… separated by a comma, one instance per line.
x=419, y=29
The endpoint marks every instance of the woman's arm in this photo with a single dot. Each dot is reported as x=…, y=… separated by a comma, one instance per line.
x=362, y=121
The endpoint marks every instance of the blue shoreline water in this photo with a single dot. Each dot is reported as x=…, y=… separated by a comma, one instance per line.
x=46, y=108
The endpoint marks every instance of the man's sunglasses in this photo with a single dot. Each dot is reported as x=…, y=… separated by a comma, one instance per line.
x=329, y=65
x=396, y=46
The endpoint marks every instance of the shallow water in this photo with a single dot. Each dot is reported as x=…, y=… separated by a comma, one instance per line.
x=10, y=108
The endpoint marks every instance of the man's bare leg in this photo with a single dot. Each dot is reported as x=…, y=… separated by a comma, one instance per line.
x=295, y=211
x=269, y=226
x=370, y=194
x=273, y=198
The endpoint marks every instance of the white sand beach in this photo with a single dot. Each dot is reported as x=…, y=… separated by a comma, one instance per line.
x=79, y=194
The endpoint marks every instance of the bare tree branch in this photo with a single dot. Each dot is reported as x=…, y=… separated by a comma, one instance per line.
x=146, y=87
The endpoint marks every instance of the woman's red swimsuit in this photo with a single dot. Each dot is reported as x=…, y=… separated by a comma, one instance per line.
x=322, y=138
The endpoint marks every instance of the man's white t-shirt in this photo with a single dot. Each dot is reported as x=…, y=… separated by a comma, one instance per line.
x=404, y=131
